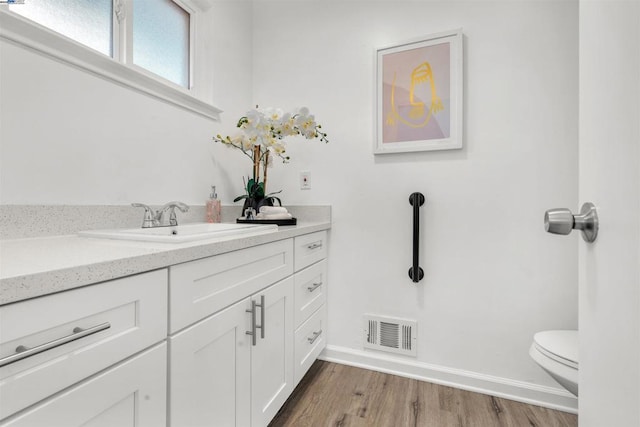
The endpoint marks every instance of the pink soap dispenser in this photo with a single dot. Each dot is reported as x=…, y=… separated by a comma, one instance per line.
x=214, y=208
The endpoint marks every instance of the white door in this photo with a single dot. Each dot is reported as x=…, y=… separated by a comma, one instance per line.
x=609, y=177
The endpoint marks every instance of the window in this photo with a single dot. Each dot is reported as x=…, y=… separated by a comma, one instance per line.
x=145, y=44
x=161, y=39
x=88, y=22
x=160, y=35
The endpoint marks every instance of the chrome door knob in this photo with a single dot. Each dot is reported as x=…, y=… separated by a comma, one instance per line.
x=558, y=221
x=562, y=221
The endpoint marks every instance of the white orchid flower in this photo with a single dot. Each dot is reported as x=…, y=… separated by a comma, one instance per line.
x=266, y=129
x=287, y=127
x=255, y=119
x=273, y=114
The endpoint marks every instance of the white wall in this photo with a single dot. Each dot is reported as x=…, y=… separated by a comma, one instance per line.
x=493, y=276
x=68, y=137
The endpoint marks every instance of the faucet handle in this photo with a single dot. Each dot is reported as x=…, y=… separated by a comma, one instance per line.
x=173, y=219
x=171, y=207
x=175, y=204
x=148, y=220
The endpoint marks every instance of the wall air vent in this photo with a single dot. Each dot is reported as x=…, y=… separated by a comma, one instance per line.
x=390, y=334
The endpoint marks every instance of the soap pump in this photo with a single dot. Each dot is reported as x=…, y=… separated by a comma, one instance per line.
x=214, y=208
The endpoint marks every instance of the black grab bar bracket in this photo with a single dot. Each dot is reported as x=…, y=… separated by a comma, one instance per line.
x=415, y=272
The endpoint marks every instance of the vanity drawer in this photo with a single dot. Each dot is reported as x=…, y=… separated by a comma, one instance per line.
x=200, y=288
x=131, y=393
x=310, y=248
x=80, y=332
x=310, y=290
x=310, y=341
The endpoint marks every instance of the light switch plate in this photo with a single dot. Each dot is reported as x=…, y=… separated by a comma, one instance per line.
x=305, y=180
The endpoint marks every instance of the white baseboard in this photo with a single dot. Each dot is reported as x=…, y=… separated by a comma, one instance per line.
x=534, y=394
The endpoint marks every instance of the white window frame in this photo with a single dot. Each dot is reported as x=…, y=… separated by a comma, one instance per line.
x=119, y=69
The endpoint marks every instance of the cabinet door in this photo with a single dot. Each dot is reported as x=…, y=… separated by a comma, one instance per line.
x=132, y=393
x=209, y=371
x=272, y=356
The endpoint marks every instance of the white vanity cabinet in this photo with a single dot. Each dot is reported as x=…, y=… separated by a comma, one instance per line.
x=219, y=374
x=63, y=357
x=217, y=341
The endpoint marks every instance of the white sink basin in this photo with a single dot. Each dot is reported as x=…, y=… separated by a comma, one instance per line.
x=181, y=233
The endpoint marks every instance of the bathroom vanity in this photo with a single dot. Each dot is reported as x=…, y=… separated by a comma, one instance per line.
x=128, y=333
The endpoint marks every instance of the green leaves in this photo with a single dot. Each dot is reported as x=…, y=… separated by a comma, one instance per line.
x=255, y=189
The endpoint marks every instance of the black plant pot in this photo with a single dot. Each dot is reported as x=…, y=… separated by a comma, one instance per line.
x=256, y=204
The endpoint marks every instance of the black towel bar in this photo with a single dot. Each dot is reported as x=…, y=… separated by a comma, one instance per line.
x=415, y=272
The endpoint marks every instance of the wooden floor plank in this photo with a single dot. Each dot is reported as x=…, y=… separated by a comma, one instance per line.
x=343, y=396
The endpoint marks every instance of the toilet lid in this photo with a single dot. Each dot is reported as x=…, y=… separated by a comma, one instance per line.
x=561, y=346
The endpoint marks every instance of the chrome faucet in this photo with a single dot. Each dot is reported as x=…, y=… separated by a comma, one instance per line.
x=155, y=219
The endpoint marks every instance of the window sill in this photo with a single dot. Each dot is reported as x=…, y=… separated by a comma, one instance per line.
x=23, y=32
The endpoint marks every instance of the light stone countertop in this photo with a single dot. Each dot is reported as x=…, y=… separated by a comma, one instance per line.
x=37, y=266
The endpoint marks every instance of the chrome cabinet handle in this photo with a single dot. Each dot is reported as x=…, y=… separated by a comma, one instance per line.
x=262, y=307
x=22, y=352
x=252, y=332
x=562, y=221
x=315, y=245
x=314, y=287
x=315, y=336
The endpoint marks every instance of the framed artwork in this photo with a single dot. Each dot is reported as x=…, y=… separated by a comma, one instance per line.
x=419, y=95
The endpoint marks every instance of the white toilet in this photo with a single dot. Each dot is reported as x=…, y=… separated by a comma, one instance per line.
x=557, y=353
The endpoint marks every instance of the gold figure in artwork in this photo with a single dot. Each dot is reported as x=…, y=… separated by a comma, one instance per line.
x=420, y=75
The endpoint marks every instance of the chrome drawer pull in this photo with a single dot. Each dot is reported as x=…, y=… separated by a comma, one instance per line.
x=316, y=335
x=262, y=307
x=314, y=287
x=22, y=352
x=252, y=332
x=315, y=245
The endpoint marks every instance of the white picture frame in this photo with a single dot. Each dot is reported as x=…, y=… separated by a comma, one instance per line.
x=419, y=94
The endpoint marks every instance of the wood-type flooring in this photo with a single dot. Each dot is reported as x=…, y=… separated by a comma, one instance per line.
x=343, y=396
